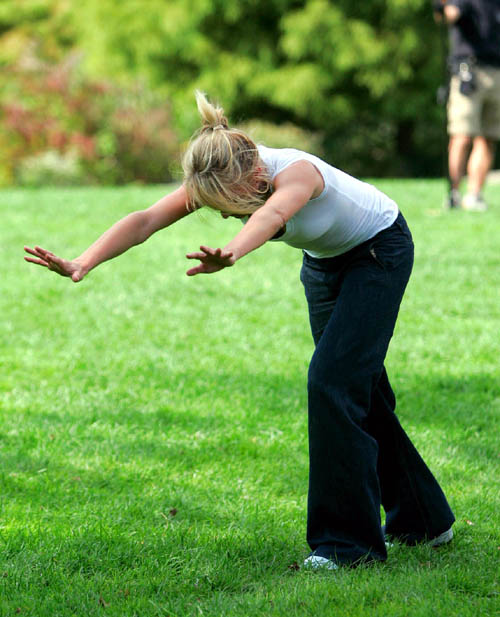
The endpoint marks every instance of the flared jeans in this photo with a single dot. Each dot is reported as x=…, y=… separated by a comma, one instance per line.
x=360, y=457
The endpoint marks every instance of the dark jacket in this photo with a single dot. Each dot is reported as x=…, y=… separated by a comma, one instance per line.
x=477, y=33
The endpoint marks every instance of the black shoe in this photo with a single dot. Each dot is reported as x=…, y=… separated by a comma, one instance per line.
x=453, y=200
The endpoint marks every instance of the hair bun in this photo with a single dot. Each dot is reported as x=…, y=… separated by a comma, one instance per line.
x=212, y=117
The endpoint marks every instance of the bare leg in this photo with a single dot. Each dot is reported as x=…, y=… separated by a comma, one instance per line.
x=458, y=152
x=480, y=161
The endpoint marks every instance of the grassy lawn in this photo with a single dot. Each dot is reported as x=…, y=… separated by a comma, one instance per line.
x=153, y=451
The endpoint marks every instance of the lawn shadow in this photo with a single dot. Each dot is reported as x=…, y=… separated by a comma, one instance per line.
x=463, y=410
x=163, y=476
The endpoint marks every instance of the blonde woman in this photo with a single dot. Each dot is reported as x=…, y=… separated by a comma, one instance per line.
x=357, y=258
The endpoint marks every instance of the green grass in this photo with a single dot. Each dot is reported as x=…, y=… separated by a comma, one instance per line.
x=153, y=452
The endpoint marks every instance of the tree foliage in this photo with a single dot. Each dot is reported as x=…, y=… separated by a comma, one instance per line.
x=362, y=74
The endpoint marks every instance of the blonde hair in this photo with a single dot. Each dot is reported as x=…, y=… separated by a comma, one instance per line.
x=222, y=168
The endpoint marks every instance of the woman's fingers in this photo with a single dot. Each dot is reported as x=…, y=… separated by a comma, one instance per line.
x=42, y=257
x=31, y=251
x=218, y=252
x=39, y=262
x=46, y=256
x=38, y=257
x=208, y=250
x=212, y=260
x=42, y=252
x=196, y=270
x=56, y=261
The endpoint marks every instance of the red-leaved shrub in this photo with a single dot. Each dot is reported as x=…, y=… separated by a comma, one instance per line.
x=115, y=134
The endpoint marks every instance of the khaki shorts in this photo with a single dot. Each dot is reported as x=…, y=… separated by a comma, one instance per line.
x=479, y=112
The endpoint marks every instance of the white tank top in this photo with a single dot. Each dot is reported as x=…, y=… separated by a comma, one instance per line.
x=347, y=213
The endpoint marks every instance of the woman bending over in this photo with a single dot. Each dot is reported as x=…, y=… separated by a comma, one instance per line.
x=357, y=259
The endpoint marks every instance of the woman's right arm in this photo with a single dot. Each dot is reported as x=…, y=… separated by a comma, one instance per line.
x=133, y=229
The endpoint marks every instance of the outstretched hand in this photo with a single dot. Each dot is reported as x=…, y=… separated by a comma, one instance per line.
x=212, y=260
x=41, y=257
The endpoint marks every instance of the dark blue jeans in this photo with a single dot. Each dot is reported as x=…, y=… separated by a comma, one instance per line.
x=360, y=457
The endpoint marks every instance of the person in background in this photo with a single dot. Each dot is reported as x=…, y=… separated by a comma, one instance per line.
x=357, y=259
x=474, y=99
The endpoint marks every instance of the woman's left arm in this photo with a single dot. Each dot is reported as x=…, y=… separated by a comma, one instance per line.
x=294, y=187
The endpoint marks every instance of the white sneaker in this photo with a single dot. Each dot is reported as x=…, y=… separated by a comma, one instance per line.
x=474, y=203
x=315, y=562
x=444, y=538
